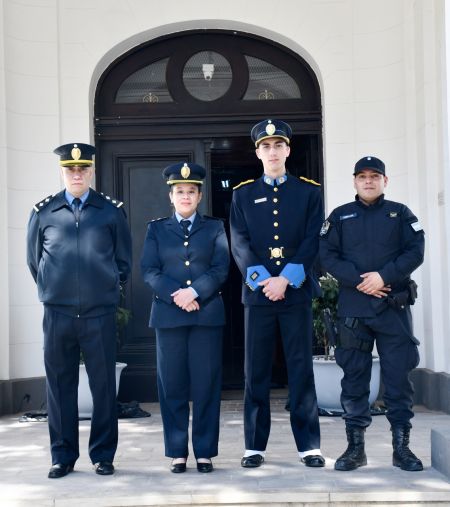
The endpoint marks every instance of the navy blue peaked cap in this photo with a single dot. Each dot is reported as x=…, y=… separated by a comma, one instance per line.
x=271, y=128
x=373, y=163
x=184, y=172
x=75, y=154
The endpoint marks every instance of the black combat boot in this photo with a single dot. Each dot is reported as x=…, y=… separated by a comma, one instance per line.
x=354, y=456
x=403, y=457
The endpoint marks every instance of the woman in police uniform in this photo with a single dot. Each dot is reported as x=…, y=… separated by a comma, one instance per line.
x=185, y=261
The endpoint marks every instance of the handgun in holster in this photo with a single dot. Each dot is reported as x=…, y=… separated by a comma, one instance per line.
x=412, y=288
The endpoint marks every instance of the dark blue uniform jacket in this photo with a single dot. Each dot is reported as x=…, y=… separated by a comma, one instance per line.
x=170, y=262
x=78, y=268
x=296, y=224
x=384, y=237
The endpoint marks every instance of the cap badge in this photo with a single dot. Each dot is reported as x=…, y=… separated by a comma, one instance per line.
x=369, y=158
x=185, y=171
x=270, y=129
x=76, y=153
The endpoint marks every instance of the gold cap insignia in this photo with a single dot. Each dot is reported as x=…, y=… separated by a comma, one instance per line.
x=185, y=171
x=270, y=129
x=76, y=153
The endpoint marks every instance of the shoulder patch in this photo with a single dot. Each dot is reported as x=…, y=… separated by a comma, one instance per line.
x=325, y=227
x=310, y=181
x=416, y=226
x=38, y=206
x=243, y=183
x=114, y=202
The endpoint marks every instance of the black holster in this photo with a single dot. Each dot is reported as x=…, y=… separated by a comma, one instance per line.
x=348, y=338
x=406, y=297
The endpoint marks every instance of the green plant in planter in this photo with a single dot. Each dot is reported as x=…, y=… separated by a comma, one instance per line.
x=326, y=303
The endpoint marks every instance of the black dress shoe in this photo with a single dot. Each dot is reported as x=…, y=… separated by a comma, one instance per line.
x=253, y=461
x=104, y=468
x=314, y=460
x=59, y=470
x=205, y=468
x=178, y=468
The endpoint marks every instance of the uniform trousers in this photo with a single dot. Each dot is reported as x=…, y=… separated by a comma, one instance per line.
x=392, y=331
x=64, y=337
x=295, y=325
x=189, y=362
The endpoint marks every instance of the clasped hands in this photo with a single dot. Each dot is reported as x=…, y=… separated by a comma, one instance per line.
x=274, y=288
x=185, y=299
x=373, y=285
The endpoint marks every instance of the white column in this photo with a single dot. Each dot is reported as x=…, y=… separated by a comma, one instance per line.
x=4, y=292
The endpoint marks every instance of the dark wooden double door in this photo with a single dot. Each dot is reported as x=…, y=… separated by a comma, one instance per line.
x=132, y=171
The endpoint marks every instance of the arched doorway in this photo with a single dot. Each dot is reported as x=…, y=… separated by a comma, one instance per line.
x=194, y=96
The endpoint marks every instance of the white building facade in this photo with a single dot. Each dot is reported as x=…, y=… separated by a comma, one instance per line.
x=382, y=70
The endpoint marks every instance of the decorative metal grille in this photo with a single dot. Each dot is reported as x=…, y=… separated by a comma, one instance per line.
x=267, y=82
x=145, y=85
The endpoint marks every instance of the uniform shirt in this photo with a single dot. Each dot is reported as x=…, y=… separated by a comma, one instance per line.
x=276, y=227
x=78, y=266
x=385, y=237
x=171, y=261
x=70, y=198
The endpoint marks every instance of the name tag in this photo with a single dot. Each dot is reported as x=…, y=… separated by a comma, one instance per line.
x=346, y=217
x=262, y=199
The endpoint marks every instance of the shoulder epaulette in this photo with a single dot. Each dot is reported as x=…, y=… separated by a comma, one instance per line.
x=243, y=183
x=114, y=202
x=310, y=181
x=213, y=218
x=159, y=219
x=38, y=206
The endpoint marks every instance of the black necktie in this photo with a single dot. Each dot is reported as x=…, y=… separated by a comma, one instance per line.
x=76, y=208
x=185, y=224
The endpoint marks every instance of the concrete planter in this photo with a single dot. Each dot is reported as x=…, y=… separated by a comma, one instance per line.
x=328, y=375
x=84, y=393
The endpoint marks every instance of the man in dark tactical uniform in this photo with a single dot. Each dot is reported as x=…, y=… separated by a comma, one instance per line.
x=372, y=246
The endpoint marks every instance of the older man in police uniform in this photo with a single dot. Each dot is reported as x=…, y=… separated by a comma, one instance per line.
x=275, y=223
x=79, y=251
x=372, y=246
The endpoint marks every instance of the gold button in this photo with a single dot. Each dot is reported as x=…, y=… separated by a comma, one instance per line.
x=275, y=224
x=275, y=212
x=278, y=263
x=186, y=243
x=188, y=282
x=275, y=189
x=275, y=199
x=276, y=237
x=187, y=263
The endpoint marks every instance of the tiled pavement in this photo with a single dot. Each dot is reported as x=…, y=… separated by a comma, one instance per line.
x=143, y=478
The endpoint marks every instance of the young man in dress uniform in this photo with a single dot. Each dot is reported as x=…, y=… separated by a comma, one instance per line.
x=275, y=223
x=79, y=252
x=372, y=246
